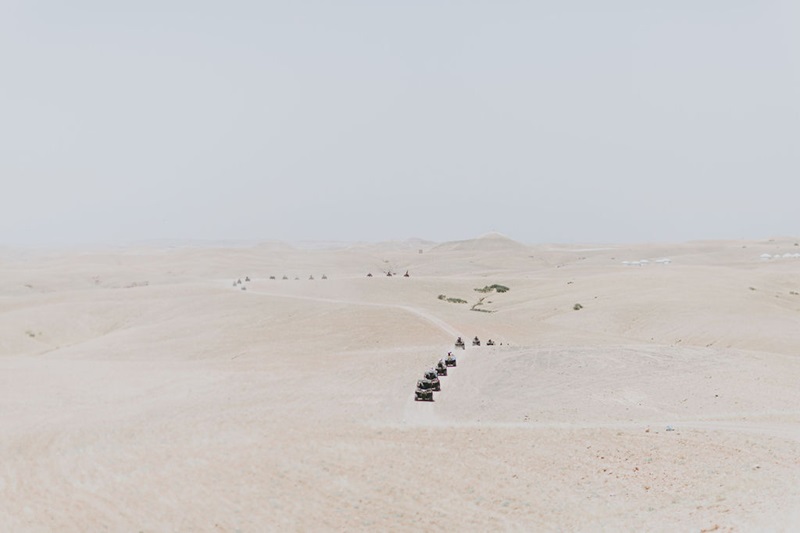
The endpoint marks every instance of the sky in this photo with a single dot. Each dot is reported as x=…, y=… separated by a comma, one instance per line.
x=570, y=121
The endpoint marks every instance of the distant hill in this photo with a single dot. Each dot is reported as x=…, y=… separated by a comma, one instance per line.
x=489, y=242
x=412, y=244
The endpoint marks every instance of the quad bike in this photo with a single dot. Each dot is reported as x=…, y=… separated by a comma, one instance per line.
x=424, y=391
x=450, y=360
x=476, y=342
x=441, y=368
x=434, y=379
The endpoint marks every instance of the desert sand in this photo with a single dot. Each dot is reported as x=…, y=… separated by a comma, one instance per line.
x=140, y=390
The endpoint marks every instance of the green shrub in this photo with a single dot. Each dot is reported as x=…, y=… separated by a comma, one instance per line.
x=495, y=287
x=451, y=300
x=478, y=304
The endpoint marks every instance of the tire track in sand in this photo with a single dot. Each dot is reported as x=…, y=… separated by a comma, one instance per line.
x=412, y=413
x=433, y=319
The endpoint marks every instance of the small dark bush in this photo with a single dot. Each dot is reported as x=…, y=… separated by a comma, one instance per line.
x=495, y=287
x=451, y=300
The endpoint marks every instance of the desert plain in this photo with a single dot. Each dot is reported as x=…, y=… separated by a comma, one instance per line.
x=142, y=389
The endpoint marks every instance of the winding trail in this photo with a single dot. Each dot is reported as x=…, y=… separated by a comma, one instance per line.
x=413, y=414
x=433, y=319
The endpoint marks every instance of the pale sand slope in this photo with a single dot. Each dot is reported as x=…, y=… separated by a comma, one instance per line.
x=185, y=404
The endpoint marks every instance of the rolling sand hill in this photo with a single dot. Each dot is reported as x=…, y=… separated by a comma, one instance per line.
x=141, y=390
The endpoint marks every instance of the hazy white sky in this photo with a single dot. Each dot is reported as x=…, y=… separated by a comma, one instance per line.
x=570, y=121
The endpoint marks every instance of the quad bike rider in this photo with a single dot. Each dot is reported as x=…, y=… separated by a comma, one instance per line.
x=450, y=360
x=431, y=375
x=460, y=343
x=441, y=368
x=424, y=391
x=490, y=342
x=476, y=341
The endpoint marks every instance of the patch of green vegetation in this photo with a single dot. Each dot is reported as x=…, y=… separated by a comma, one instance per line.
x=495, y=287
x=444, y=298
x=478, y=304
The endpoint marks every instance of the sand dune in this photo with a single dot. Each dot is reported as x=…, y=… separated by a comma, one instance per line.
x=141, y=391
